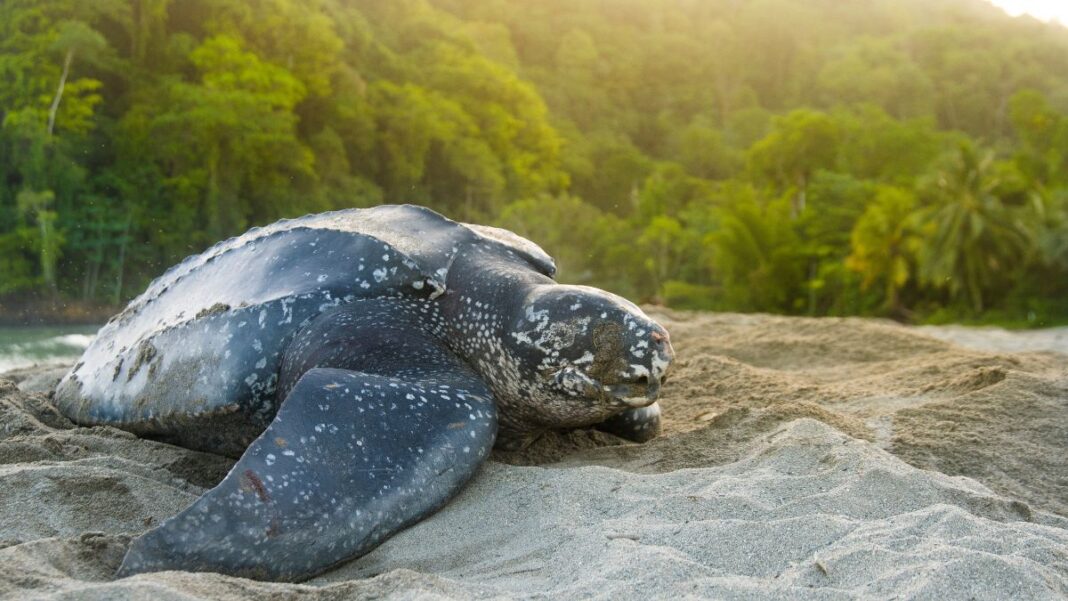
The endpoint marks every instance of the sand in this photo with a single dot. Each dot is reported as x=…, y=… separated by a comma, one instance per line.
x=801, y=459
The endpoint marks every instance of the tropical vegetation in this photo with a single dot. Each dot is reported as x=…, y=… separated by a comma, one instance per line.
x=905, y=158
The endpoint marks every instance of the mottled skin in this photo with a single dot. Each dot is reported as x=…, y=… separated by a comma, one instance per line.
x=361, y=364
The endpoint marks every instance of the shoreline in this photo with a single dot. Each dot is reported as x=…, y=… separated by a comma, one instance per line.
x=61, y=313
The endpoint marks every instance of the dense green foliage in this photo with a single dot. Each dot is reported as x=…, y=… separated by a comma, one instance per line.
x=891, y=157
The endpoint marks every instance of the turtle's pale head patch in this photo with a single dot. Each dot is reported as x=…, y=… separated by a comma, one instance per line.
x=592, y=353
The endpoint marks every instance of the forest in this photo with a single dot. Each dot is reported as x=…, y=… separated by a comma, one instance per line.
x=899, y=158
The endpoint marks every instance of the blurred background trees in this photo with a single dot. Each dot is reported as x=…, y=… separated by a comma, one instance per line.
x=889, y=157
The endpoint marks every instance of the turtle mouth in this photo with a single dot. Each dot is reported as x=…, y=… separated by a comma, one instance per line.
x=631, y=392
x=641, y=391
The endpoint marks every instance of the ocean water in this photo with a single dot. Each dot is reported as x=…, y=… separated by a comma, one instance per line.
x=42, y=345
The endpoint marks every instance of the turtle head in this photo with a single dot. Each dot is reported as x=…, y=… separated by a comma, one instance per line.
x=591, y=353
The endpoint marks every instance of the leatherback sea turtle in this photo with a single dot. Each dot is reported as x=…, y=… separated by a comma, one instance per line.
x=361, y=364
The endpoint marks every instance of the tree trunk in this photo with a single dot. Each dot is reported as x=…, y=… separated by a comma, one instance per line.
x=215, y=220
x=52, y=110
x=92, y=274
x=893, y=297
x=813, y=271
x=797, y=205
x=122, y=258
x=48, y=259
x=140, y=34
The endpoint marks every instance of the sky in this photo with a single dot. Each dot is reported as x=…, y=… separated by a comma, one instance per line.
x=1043, y=9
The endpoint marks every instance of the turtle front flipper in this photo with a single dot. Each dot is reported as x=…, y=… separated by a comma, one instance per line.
x=351, y=458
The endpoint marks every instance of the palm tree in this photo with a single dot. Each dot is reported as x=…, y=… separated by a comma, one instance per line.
x=756, y=254
x=884, y=243
x=972, y=241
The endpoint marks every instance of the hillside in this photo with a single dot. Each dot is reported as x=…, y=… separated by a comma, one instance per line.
x=901, y=158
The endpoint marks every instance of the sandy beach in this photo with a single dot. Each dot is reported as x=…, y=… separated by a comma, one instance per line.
x=801, y=459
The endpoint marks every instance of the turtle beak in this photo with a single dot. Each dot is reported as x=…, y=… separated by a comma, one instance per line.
x=638, y=392
x=652, y=389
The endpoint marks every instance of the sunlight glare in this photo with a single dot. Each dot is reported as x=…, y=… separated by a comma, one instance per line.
x=1046, y=10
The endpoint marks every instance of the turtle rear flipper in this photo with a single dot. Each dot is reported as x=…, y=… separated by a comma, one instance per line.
x=351, y=458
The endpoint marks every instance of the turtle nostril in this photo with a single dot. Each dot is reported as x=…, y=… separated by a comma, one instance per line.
x=663, y=379
x=642, y=381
